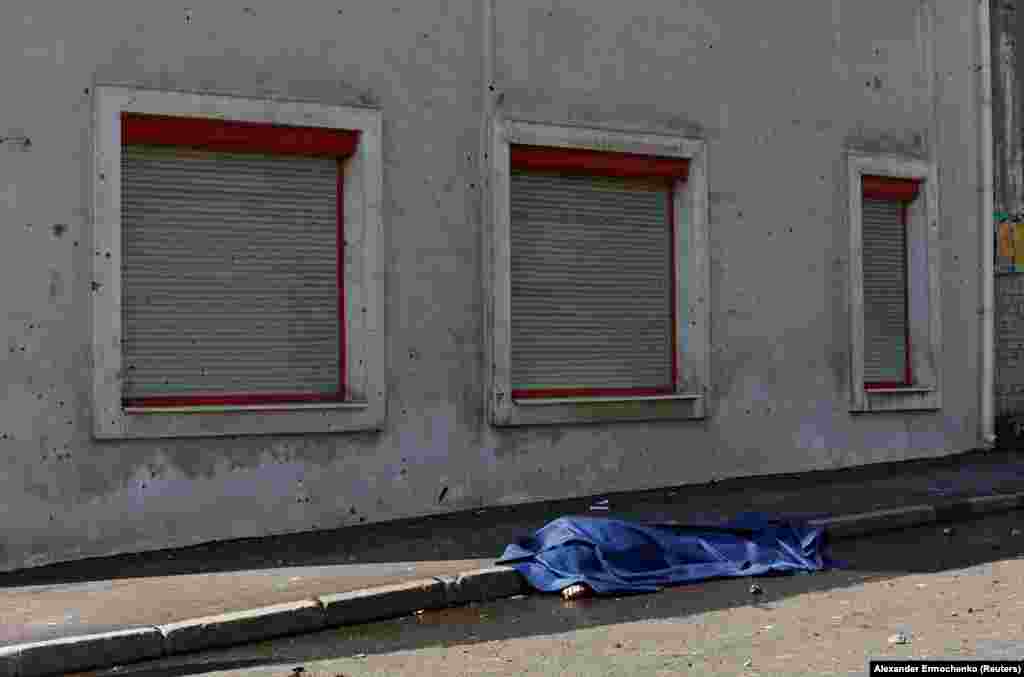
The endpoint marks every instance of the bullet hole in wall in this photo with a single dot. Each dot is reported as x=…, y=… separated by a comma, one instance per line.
x=59, y=229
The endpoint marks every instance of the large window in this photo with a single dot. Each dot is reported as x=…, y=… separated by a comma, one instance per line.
x=224, y=228
x=598, y=278
x=894, y=281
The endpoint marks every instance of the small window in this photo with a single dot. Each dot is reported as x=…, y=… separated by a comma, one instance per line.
x=895, y=330
x=887, y=344
x=594, y=244
x=235, y=266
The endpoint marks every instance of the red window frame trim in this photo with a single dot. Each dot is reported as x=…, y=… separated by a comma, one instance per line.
x=237, y=135
x=903, y=191
x=253, y=137
x=626, y=165
x=598, y=162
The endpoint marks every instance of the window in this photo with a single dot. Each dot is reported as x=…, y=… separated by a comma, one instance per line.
x=599, y=276
x=234, y=244
x=894, y=280
x=884, y=206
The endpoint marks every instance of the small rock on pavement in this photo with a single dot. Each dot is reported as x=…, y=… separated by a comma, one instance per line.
x=1015, y=532
x=756, y=589
x=948, y=531
x=898, y=638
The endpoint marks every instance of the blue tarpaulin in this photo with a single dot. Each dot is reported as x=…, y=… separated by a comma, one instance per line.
x=618, y=556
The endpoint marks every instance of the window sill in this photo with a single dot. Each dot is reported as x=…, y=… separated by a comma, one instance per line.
x=239, y=419
x=592, y=400
x=908, y=398
x=680, y=406
x=899, y=389
x=218, y=408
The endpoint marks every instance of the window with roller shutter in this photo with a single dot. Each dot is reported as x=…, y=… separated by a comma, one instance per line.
x=600, y=287
x=592, y=280
x=895, y=260
x=887, y=361
x=231, y=253
x=229, y=273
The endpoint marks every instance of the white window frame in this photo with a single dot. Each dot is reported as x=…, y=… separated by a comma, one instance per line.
x=365, y=406
x=923, y=278
x=692, y=312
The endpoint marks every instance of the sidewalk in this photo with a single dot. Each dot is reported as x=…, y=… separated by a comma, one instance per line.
x=177, y=586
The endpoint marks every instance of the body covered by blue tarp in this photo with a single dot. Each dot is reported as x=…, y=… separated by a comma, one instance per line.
x=619, y=556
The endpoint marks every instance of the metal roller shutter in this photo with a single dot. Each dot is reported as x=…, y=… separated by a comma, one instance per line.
x=230, y=273
x=885, y=291
x=591, y=302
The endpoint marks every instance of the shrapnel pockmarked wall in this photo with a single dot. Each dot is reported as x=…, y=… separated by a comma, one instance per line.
x=777, y=91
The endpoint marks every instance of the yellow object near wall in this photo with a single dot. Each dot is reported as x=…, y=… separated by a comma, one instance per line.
x=1018, y=243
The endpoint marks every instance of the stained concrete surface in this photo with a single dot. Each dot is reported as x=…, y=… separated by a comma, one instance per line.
x=103, y=594
x=36, y=613
x=955, y=595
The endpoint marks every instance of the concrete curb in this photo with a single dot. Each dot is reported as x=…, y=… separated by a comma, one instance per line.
x=86, y=652
x=91, y=652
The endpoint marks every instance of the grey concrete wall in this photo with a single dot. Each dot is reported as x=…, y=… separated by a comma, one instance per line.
x=777, y=89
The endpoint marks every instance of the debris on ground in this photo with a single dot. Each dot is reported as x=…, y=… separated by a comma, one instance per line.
x=948, y=531
x=756, y=589
x=601, y=504
x=1015, y=532
x=747, y=663
x=899, y=638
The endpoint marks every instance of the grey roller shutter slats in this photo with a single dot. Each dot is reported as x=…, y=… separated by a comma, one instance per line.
x=885, y=291
x=591, y=282
x=229, y=273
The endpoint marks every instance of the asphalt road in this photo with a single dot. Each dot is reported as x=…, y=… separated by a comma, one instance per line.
x=952, y=595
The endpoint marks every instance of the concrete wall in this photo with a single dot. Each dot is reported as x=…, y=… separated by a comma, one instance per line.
x=777, y=90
